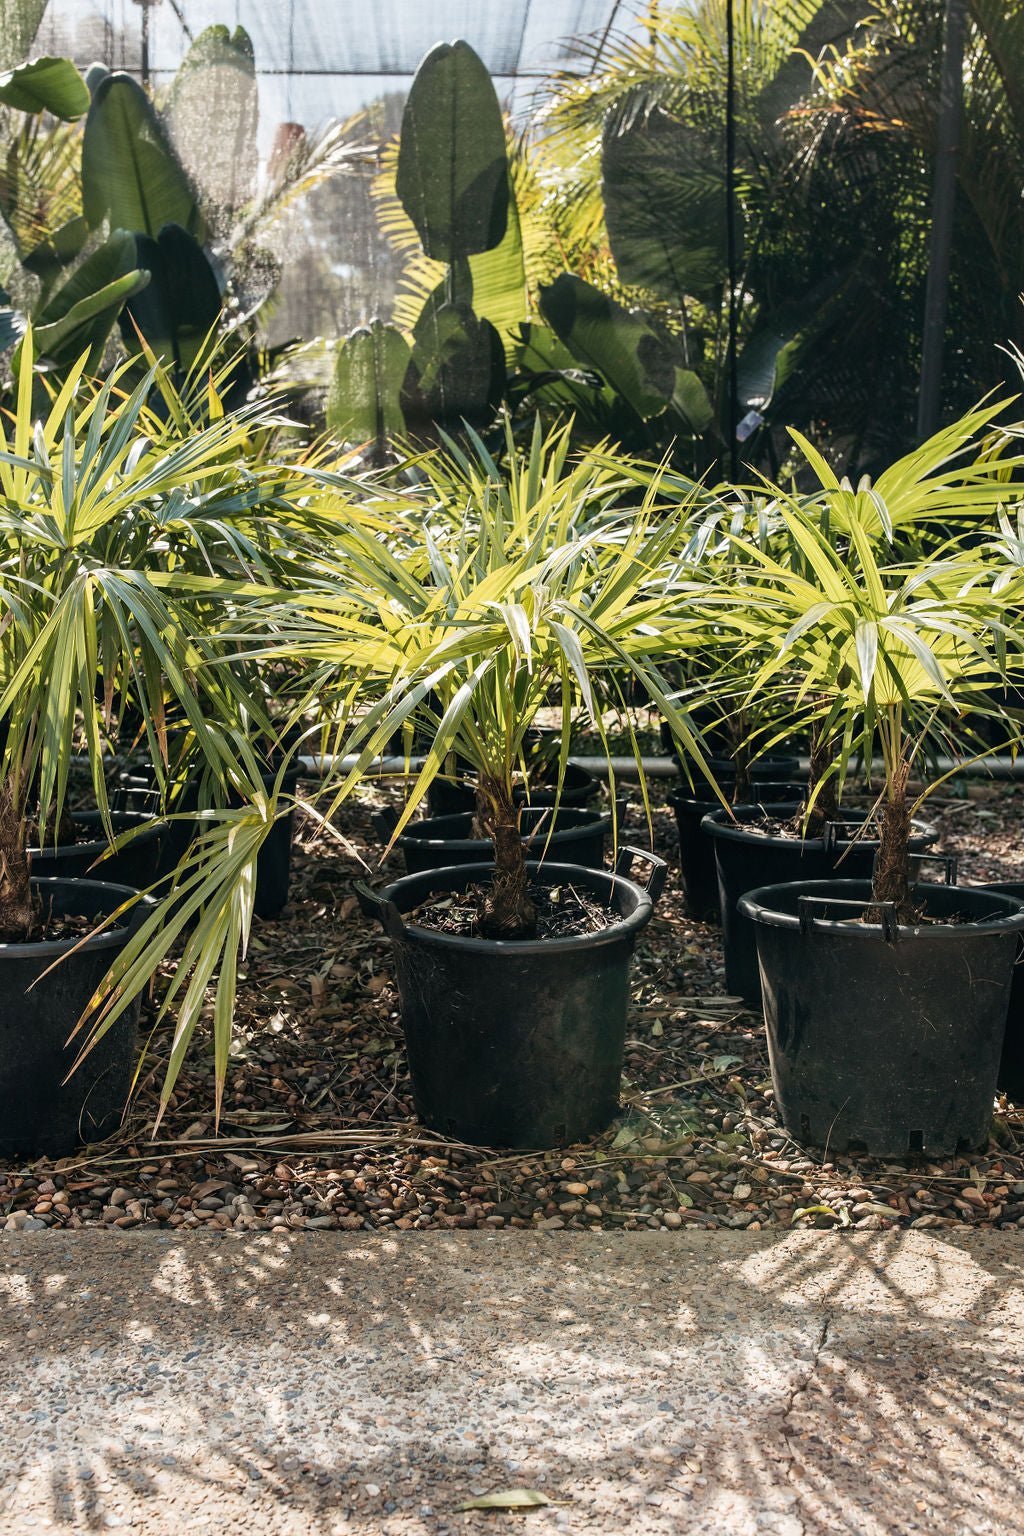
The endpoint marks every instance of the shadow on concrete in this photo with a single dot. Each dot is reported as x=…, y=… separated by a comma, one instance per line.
x=715, y=1382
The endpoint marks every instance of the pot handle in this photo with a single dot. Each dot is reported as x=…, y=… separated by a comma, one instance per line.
x=947, y=860
x=890, y=924
x=384, y=822
x=659, y=869
x=386, y=913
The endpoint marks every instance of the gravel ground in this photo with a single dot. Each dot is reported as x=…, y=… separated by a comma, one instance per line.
x=318, y=1129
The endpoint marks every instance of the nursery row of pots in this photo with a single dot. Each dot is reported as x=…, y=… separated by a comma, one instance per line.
x=226, y=597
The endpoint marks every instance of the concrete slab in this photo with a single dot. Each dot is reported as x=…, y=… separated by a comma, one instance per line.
x=364, y=1385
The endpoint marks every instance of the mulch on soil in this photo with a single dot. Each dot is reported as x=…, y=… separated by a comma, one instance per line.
x=318, y=1128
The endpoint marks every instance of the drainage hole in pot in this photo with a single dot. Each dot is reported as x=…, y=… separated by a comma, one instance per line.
x=856, y=1146
x=915, y=1142
x=559, y=1136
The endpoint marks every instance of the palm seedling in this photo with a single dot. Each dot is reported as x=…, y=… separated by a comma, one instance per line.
x=496, y=594
x=128, y=545
x=883, y=640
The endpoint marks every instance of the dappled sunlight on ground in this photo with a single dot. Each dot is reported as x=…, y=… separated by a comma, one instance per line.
x=355, y=1384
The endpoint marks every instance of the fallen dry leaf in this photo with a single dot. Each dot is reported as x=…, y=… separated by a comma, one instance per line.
x=510, y=1498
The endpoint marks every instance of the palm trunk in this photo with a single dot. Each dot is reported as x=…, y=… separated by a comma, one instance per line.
x=741, y=760
x=826, y=807
x=17, y=912
x=506, y=911
x=892, y=866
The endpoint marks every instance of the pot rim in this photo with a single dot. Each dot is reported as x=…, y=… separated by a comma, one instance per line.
x=109, y=938
x=596, y=820
x=684, y=797
x=456, y=875
x=715, y=825
x=757, y=905
x=144, y=821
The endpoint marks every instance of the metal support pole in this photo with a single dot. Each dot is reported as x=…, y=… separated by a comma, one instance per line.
x=951, y=89
x=730, y=236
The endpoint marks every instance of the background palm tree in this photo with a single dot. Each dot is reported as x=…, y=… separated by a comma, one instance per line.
x=869, y=136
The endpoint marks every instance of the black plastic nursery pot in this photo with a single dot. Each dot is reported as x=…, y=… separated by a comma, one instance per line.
x=135, y=865
x=778, y=766
x=450, y=797
x=273, y=863
x=579, y=787
x=1011, y=1064
x=517, y=1043
x=698, y=875
x=746, y=859
x=884, y=1038
x=778, y=791
x=436, y=842
x=40, y=1115
x=698, y=871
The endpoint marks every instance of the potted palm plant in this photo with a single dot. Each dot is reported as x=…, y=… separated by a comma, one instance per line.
x=100, y=600
x=941, y=484
x=885, y=999
x=500, y=591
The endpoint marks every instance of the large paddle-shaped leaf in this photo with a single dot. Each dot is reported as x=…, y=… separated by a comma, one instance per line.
x=363, y=400
x=46, y=85
x=177, y=310
x=498, y=281
x=130, y=173
x=457, y=370
x=452, y=177
x=80, y=315
x=216, y=85
x=51, y=255
x=603, y=336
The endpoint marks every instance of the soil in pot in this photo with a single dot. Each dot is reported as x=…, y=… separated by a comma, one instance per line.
x=40, y=1115
x=577, y=836
x=746, y=857
x=563, y=911
x=884, y=1044
x=516, y=1043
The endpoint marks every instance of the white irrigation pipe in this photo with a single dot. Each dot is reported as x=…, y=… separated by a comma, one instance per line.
x=625, y=767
